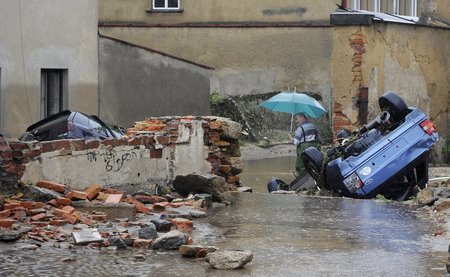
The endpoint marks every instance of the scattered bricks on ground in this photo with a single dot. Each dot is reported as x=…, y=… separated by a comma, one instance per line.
x=52, y=186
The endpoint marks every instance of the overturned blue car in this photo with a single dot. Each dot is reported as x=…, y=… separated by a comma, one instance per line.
x=388, y=156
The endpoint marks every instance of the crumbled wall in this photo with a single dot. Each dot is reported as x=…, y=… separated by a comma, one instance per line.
x=141, y=160
x=407, y=59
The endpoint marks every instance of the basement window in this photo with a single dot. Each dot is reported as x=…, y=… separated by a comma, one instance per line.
x=165, y=6
x=397, y=7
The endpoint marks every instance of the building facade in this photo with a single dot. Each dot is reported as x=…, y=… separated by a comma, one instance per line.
x=48, y=60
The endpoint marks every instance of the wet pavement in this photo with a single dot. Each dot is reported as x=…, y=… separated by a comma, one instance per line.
x=290, y=235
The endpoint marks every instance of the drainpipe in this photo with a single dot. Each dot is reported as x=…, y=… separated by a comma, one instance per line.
x=344, y=3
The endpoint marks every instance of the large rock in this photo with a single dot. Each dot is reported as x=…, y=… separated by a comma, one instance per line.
x=214, y=185
x=426, y=196
x=171, y=240
x=148, y=232
x=229, y=259
x=39, y=194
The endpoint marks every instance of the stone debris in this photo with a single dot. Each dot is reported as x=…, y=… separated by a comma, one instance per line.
x=171, y=240
x=86, y=236
x=229, y=259
x=108, y=219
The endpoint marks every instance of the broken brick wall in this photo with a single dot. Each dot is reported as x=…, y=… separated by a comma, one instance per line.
x=152, y=153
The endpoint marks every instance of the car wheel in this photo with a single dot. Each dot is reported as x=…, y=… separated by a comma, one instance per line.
x=395, y=105
x=313, y=159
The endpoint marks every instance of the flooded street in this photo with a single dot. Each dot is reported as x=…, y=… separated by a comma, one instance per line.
x=290, y=235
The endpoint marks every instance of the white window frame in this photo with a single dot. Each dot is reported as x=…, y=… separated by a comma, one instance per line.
x=166, y=6
x=395, y=5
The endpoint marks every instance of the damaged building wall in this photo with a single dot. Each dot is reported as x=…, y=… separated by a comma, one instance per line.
x=135, y=82
x=46, y=35
x=410, y=60
x=147, y=157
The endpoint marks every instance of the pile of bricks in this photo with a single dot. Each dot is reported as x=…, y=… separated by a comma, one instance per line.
x=61, y=213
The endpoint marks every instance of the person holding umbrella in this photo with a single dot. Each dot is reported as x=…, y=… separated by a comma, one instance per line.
x=305, y=135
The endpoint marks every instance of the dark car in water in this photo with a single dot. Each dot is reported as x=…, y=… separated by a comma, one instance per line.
x=71, y=125
x=388, y=156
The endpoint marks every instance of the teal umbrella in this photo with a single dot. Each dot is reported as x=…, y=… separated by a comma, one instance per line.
x=293, y=103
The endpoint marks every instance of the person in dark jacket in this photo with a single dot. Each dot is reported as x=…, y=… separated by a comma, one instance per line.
x=305, y=135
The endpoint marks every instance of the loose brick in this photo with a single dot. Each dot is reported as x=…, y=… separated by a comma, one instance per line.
x=51, y=185
x=68, y=209
x=150, y=199
x=63, y=201
x=92, y=192
x=39, y=217
x=60, y=212
x=11, y=206
x=160, y=206
x=58, y=222
x=83, y=219
x=114, y=198
x=70, y=218
x=6, y=223
x=35, y=211
x=183, y=224
x=39, y=223
x=5, y=213
x=53, y=203
x=142, y=243
x=80, y=195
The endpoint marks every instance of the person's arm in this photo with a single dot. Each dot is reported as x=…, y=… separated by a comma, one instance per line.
x=293, y=140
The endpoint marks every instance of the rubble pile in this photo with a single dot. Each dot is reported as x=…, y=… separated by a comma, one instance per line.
x=75, y=217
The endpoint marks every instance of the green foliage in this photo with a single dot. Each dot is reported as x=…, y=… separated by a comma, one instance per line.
x=215, y=98
x=260, y=122
x=381, y=197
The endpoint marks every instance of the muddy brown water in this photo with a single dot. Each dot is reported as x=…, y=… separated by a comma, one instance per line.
x=290, y=235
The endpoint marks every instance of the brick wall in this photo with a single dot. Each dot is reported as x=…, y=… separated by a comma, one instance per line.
x=153, y=152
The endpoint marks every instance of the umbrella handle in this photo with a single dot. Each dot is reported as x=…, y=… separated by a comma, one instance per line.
x=292, y=119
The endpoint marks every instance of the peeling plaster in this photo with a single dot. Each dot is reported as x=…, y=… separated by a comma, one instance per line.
x=409, y=83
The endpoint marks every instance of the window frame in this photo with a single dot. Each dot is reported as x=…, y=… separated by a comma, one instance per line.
x=166, y=6
x=394, y=6
x=62, y=89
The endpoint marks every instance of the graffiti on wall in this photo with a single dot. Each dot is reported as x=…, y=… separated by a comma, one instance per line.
x=113, y=161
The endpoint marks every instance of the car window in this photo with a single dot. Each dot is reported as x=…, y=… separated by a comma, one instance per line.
x=81, y=119
x=97, y=127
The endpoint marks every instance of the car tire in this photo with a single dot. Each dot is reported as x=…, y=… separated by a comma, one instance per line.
x=395, y=105
x=312, y=159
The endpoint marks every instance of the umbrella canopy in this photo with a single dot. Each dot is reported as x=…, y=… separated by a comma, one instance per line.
x=293, y=103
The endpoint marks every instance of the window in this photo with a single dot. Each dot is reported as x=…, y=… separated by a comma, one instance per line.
x=399, y=7
x=53, y=91
x=166, y=5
